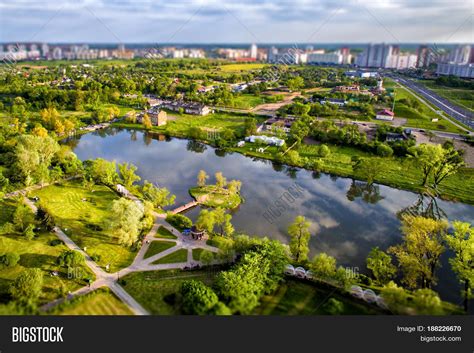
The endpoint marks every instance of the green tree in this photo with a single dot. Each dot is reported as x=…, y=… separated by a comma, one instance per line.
x=206, y=221
x=202, y=177
x=380, y=263
x=324, y=151
x=102, y=171
x=159, y=197
x=221, y=181
x=126, y=221
x=127, y=173
x=29, y=232
x=418, y=255
x=198, y=299
x=295, y=83
x=70, y=258
x=27, y=287
x=369, y=168
x=299, y=242
x=10, y=259
x=334, y=307
x=323, y=266
x=206, y=257
x=427, y=302
x=461, y=242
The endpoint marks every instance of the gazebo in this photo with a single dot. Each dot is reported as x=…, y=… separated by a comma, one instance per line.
x=290, y=270
x=300, y=272
x=197, y=233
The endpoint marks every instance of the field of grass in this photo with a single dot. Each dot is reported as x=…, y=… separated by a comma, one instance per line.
x=99, y=302
x=459, y=96
x=85, y=217
x=158, y=291
x=211, y=196
x=35, y=253
x=247, y=101
x=158, y=246
x=162, y=232
x=295, y=297
x=197, y=253
x=178, y=256
x=241, y=67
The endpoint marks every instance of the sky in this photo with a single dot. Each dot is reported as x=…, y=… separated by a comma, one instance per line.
x=237, y=21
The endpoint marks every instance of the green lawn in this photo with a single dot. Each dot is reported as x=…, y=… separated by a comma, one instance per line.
x=158, y=291
x=211, y=196
x=197, y=253
x=247, y=101
x=164, y=233
x=295, y=297
x=99, y=302
x=178, y=256
x=35, y=253
x=157, y=247
x=85, y=217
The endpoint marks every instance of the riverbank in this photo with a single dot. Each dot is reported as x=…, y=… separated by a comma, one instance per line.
x=400, y=173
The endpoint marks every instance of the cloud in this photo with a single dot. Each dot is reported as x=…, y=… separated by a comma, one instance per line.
x=236, y=21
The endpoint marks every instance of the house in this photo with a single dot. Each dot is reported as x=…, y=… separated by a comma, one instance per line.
x=393, y=136
x=272, y=141
x=158, y=119
x=385, y=114
x=284, y=124
x=335, y=101
x=194, y=108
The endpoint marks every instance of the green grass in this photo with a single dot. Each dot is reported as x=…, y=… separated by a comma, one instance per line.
x=35, y=253
x=210, y=196
x=197, y=253
x=178, y=256
x=295, y=297
x=241, y=67
x=158, y=246
x=164, y=233
x=87, y=222
x=247, y=101
x=99, y=302
x=158, y=291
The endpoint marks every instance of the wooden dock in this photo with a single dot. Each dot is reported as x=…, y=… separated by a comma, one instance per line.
x=185, y=207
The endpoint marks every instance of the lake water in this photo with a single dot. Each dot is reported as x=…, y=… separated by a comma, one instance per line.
x=340, y=227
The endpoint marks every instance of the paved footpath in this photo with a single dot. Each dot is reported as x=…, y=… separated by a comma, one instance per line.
x=110, y=280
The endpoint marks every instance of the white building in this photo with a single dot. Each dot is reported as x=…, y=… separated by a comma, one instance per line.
x=460, y=70
x=253, y=51
x=326, y=58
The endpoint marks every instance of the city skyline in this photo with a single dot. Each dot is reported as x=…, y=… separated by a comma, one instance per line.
x=198, y=22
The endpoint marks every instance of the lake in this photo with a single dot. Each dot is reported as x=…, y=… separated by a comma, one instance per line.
x=348, y=219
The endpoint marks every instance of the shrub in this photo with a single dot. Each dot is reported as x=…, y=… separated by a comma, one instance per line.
x=10, y=259
x=179, y=221
x=384, y=150
x=324, y=151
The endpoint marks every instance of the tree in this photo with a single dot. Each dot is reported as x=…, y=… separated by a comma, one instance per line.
x=370, y=168
x=295, y=83
x=427, y=302
x=198, y=299
x=10, y=259
x=418, y=255
x=102, y=171
x=126, y=220
x=206, y=221
x=395, y=297
x=219, y=218
x=384, y=150
x=206, y=257
x=146, y=121
x=227, y=227
x=221, y=181
x=70, y=259
x=323, y=266
x=127, y=173
x=380, y=263
x=29, y=232
x=461, y=242
x=39, y=131
x=234, y=186
x=334, y=307
x=250, y=126
x=299, y=234
x=202, y=177
x=27, y=287
x=159, y=197
x=324, y=151
x=22, y=216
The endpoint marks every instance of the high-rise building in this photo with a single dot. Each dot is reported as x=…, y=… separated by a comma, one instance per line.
x=253, y=51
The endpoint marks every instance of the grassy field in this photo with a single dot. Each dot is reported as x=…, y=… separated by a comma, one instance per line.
x=181, y=124
x=211, y=196
x=35, y=253
x=178, y=256
x=295, y=297
x=85, y=217
x=158, y=291
x=247, y=101
x=459, y=96
x=197, y=253
x=99, y=302
x=158, y=246
x=162, y=232
x=241, y=67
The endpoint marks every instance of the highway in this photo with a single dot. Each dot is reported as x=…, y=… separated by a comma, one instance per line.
x=458, y=113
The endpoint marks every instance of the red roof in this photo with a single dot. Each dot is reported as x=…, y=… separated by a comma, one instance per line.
x=386, y=112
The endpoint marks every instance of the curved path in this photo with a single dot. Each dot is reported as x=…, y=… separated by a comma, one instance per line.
x=110, y=280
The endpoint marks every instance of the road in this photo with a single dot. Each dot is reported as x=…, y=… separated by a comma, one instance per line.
x=458, y=113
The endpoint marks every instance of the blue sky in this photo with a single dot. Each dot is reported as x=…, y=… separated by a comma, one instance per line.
x=238, y=21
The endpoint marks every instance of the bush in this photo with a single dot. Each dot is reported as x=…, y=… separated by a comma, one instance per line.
x=384, y=150
x=324, y=151
x=179, y=221
x=55, y=242
x=10, y=259
x=198, y=299
x=334, y=307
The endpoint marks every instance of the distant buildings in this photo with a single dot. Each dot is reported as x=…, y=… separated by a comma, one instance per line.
x=386, y=56
x=459, y=62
